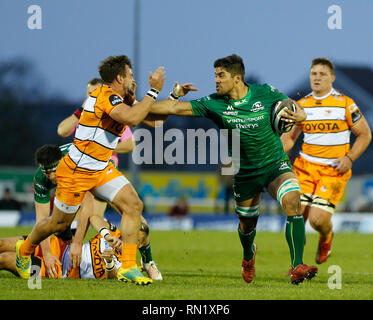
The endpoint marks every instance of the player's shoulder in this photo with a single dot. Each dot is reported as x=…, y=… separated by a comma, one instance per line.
x=109, y=95
x=265, y=87
x=210, y=98
x=307, y=98
x=41, y=181
x=334, y=97
x=39, y=176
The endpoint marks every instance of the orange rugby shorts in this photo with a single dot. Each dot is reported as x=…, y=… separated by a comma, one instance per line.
x=72, y=185
x=321, y=180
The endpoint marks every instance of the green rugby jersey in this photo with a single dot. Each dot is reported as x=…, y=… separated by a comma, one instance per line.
x=259, y=145
x=42, y=185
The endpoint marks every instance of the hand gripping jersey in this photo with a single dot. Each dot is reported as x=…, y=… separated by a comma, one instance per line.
x=97, y=134
x=259, y=145
x=327, y=128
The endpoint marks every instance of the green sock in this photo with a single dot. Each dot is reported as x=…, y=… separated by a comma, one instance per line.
x=247, y=241
x=146, y=253
x=295, y=234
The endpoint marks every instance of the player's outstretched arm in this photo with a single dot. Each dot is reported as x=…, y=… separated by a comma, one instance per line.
x=172, y=107
x=132, y=116
x=155, y=119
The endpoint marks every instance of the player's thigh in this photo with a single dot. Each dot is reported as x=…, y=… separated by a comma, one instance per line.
x=9, y=244
x=112, y=185
x=307, y=174
x=331, y=186
x=60, y=220
x=8, y=261
x=99, y=207
x=128, y=201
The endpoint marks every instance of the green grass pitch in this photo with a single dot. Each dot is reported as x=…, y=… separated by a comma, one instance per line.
x=206, y=265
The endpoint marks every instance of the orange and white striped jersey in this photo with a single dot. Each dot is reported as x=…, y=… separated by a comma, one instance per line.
x=97, y=134
x=92, y=265
x=327, y=127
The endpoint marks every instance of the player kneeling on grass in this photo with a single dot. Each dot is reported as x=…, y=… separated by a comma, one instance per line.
x=99, y=260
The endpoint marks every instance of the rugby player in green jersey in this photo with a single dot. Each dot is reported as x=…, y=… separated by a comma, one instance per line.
x=261, y=162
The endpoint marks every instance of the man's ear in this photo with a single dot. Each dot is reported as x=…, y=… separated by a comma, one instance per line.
x=119, y=78
x=333, y=78
x=237, y=78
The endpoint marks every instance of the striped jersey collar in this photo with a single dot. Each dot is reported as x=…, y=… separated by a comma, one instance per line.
x=331, y=92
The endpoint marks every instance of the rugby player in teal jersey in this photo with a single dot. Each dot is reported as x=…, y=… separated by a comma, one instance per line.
x=261, y=163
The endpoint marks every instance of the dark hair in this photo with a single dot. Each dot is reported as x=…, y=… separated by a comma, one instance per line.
x=112, y=66
x=324, y=62
x=233, y=64
x=47, y=155
x=95, y=81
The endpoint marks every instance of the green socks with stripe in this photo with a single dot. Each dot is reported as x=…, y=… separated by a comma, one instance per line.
x=146, y=253
x=295, y=233
x=247, y=241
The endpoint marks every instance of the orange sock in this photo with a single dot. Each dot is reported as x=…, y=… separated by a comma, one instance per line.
x=326, y=239
x=129, y=255
x=27, y=248
x=329, y=237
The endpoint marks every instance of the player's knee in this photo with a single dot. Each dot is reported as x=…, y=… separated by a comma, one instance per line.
x=318, y=221
x=291, y=203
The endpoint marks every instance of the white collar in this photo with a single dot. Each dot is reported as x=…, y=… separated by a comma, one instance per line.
x=325, y=96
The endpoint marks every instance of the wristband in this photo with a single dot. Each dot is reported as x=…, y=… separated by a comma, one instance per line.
x=78, y=112
x=349, y=158
x=104, y=232
x=172, y=96
x=153, y=93
x=109, y=265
